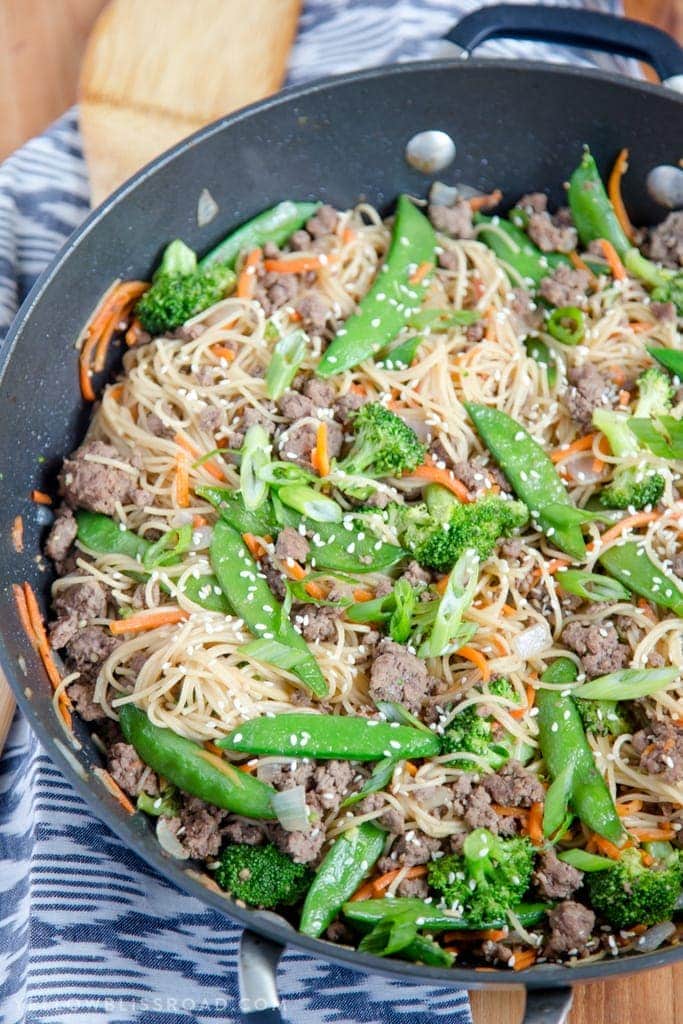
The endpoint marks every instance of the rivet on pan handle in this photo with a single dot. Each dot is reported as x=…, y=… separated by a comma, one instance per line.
x=257, y=975
x=547, y=1005
x=566, y=25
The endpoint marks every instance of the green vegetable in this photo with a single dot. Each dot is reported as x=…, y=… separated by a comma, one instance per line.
x=288, y=355
x=437, y=321
x=449, y=631
x=406, y=617
x=603, y=717
x=262, y=876
x=439, y=536
x=671, y=358
x=180, y=289
x=165, y=805
x=663, y=436
x=379, y=779
x=384, y=445
x=423, y=950
x=538, y=350
x=570, y=762
x=389, y=936
x=627, y=684
x=433, y=918
x=471, y=733
x=400, y=356
x=488, y=878
x=531, y=473
x=591, y=586
x=514, y=247
x=349, y=860
x=168, y=548
x=252, y=600
x=629, y=563
x=584, y=861
x=347, y=547
x=191, y=768
x=348, y=737
x=630, y=893
x=384, y=311
x=310, y=503
x=655, y=394
x=274, y=225
x=255, y=455
x=594, y=217
x=230, y=505
x=567, y=325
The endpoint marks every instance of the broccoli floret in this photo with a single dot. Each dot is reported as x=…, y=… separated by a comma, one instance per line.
x=439, y=543
x=180, y=289
x=655, y=394
x=604, y=717
x=262, y=876
x=630, y=893
x=502, y=687
x=666, y=285
x=471, y=733
x=384, y=445
x=487, y=879
x=165, y=805
x=632, y=486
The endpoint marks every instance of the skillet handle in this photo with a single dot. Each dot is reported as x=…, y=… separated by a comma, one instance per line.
x=547, y=1005
x=571, y=27
x=257, y=976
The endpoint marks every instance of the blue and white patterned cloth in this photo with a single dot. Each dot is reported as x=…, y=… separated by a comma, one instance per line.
x=89, y=933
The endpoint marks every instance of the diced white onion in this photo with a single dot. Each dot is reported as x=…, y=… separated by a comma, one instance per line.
x=201, y=538
x=169, y=842
x=291, y=810
x=532, y=641
x=207, y=208
x=580, y=468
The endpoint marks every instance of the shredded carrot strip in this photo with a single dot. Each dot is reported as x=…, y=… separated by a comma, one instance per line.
x=580, y=264
x=132, y=335
x=182, y=480
x=421, y=272
x=436, y=475
x=295, y=317
x=490, y=317
x=583, y=444
x=22, y=611
x=646, y=858
x=476, y=935
x=314, y=589
x=348, y=236
x=17, y=534
x=640, y=327
x=212, y=748
x=526, y=958
x=617, y=374
x=41, y=498
x=477, y=659
x=322, y=456
x=623, y=810
x=192, y=450
x=296, y=265
x=629, y=523
x=624, y=397
x=613, y=261
x=510, y=812
x=597, y=465
x=606, y=847
x=293, y=570
x=113, y=310
x=361, y=595
x=42, y=643
x=551, y=567
x=384, y=881
x=653, y=835
x=484, y=202
x=530, y=701
x=222, y=352
x=535, y=823
x=256, y=548
x=410, y=768
x=198, y=521
x=614, y=191
x=365, y=892
x=246, y=768
x=148, y=620
x=646, y=608
x=508, y=610
x=114, y=788
x=441, y=584
x=358, y=389
x=246, y=282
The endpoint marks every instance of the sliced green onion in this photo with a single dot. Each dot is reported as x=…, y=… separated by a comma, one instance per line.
x=380, y=778
x=401, y=621
x=628, y=684
x=170, y=545
x=591, y=586
x=456, y=599
x=274, y=652
x=584, y=861
x=255, y=457
x=567, y=325
x=395, y=712
x=663, y=435
x=311, y=503
x=288, y=355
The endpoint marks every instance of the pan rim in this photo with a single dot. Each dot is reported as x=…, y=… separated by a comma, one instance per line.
x=101, y=803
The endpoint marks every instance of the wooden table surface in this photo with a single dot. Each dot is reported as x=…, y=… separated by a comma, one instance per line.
x=42, y=44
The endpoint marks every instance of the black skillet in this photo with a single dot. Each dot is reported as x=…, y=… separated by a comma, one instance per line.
x=516, y=125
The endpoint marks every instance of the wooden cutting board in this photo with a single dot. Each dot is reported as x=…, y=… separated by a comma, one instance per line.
x=156, y=71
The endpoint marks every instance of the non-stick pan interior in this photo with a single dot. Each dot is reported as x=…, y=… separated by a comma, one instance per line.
x=516, y=126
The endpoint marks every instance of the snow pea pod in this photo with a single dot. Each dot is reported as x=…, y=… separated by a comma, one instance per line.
x=671, y=358
x=251, y=598
x=570, y=762
x=384, y=311
x=230, y=506
x=532, y=475
x=515, y=248
x=191, y=768
x=432, y=918
x=592, y=211
x=539, y=351
x=349, y=546
x=630, y=564
x=345, y=737
x=349, y=860
x=273, y=225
